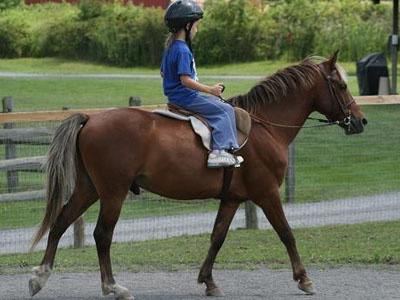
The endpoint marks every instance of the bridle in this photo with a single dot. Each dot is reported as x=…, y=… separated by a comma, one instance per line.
x=345, y=108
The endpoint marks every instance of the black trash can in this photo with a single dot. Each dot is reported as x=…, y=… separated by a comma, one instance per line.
x=369, y=69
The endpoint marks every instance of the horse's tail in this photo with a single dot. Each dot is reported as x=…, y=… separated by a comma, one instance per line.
x=60, y=171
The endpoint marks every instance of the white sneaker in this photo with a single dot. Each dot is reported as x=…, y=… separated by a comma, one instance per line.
x=223, y=159
x=219, y=160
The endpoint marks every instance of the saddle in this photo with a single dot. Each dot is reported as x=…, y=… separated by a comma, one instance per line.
x=201, y=128
x=200, y=125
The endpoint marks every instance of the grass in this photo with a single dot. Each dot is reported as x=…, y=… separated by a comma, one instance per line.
x=330, y=165
x=45, y=94
x=63, y=66
x=370, y=244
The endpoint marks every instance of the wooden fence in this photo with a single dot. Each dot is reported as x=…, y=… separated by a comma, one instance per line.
x=10, y=137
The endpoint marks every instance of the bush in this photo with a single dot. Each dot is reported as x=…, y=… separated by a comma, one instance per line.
x=6, y=4
x=235, y=30
x=13, y=37
x=128, y=36
x=355, y=27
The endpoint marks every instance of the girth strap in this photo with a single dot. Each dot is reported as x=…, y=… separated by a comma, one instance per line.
x=226, y=183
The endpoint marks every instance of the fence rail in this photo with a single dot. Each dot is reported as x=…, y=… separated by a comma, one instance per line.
x=58, y=115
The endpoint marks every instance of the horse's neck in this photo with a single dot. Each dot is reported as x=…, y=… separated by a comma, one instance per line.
x=292, y=111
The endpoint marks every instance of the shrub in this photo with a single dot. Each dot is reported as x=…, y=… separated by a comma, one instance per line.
x=6, y=4
x=128, y=36
x=235, y=30
x=355, y=27
x=13, y=37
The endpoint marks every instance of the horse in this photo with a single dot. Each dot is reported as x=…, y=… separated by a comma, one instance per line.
x=103, y=156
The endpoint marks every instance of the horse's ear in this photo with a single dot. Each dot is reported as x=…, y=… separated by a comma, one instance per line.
x=333, y=59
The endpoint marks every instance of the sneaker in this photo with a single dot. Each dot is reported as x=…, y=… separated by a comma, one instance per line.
x=221, y=159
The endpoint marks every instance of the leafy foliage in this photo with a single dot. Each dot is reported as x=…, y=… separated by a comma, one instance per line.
x=231, y=31
x=6, y=4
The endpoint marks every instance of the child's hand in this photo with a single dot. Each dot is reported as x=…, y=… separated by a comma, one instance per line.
x=216, y=89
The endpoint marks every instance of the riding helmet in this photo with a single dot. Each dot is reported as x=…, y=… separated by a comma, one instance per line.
x=180, y=13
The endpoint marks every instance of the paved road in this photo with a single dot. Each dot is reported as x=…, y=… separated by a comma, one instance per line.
x=333, y=284
x=382, y=207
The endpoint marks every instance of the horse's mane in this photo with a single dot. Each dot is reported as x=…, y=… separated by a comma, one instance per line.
x=276, y=86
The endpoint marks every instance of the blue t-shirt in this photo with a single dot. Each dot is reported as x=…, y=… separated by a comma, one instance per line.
x=178, y=60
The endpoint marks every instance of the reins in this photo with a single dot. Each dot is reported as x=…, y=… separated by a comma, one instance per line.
x=327, y=123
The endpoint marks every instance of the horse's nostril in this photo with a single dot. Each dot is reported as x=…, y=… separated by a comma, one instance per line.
x=364, y=121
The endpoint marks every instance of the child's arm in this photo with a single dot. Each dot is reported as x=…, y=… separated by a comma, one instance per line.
x=192, y=84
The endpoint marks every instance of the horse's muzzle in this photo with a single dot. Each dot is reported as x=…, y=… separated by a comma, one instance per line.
x=356, y=126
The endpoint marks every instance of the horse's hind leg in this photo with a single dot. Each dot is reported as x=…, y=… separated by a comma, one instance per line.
x=110, y=208
x=223, y=220
x=83, y=196
x=272, y=208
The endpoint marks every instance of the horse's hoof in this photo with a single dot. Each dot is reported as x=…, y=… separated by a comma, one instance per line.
x=120, y=292
x=214, y=293
x=125, y=296
x=307, y=286
x=34, y=287
x=38, y=279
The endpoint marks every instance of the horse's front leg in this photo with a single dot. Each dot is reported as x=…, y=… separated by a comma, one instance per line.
x=272, y=207
x=224, y=218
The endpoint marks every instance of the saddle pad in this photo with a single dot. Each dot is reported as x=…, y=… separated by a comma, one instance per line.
x=198, y=126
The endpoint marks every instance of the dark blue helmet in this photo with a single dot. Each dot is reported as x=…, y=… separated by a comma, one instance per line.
x=180, y=13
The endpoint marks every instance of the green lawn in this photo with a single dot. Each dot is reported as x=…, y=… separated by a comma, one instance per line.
x=369, y=244
x=45, y=94
x=62, y=66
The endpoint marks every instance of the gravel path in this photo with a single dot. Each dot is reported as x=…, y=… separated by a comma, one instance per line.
x=383, y=207
x=332, y=284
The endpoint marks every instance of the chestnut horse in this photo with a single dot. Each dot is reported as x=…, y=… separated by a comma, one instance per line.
x=105, y=155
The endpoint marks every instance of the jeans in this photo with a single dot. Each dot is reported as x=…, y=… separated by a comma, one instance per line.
x=220, y=117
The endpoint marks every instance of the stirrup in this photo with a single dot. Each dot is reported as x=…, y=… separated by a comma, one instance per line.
x=239, y=159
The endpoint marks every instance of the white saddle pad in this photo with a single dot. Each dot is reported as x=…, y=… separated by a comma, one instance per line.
x=198, y=126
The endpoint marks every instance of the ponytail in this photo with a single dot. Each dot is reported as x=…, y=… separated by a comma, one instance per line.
x=168, y=41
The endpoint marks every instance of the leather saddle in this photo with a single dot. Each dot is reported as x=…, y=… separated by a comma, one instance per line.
x=201, y=127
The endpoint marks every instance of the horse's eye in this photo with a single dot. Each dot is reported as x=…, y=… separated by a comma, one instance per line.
x=343, y=86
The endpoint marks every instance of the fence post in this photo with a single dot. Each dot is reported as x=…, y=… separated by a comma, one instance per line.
x=290, y=175
x=79, y=232
x=10, y=148
x=79, y=224
x=251, y=215
x=135, y=101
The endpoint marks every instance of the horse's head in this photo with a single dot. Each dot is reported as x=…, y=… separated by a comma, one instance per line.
x=335, y=101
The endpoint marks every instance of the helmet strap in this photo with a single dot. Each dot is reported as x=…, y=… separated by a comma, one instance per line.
x=187, y=36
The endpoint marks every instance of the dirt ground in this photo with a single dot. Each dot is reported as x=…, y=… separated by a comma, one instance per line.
x=338, y=283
